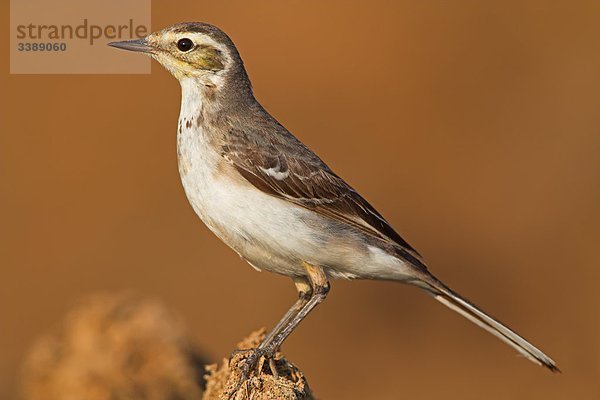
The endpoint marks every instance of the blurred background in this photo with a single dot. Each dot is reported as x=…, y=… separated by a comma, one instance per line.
x=472, y=126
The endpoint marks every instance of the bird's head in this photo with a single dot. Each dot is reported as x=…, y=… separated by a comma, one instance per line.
x=192, y=50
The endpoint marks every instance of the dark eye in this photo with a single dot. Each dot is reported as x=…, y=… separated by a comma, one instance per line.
x=185, y=44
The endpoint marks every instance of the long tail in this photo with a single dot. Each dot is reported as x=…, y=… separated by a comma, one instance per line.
x=462, y=306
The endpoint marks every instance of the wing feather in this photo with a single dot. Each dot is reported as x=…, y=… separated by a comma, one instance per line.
x=283, y=167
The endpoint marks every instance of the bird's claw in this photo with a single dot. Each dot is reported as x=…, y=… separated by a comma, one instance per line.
x=238, y=351
x=250, y=364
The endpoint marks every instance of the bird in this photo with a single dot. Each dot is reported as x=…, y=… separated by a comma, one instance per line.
x=275, y=202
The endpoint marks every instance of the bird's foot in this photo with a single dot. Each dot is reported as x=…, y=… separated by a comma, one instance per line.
x=238, y=351
x=253, y=363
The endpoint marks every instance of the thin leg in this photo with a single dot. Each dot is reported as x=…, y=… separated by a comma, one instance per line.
x=312, y=291
x=320, y=288
x=304, y=293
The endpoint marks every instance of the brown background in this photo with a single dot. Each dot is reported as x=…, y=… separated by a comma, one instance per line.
x=472, y=126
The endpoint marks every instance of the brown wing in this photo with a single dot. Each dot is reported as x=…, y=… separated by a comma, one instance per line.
x=283, y=167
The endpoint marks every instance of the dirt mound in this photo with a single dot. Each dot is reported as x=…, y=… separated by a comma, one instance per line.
x=290, y=383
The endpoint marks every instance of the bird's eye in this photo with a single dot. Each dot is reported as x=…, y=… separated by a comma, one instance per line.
x=185, y=44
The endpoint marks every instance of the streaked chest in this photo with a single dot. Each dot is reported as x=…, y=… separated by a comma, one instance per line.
x=200, y=165
x=215, y=190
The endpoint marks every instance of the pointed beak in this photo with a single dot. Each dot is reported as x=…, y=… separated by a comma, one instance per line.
x=139, y=45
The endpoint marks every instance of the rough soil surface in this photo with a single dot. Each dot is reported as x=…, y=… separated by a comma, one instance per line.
x=262, y=385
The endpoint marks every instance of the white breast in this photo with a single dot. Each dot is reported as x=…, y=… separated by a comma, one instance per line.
x=264, y=230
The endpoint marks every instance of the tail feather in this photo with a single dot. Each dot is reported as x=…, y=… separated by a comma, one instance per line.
x=462, y=306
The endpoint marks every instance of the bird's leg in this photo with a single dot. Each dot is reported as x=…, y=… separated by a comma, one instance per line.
x=311, y=293
x=304, y=295
x=320, y=287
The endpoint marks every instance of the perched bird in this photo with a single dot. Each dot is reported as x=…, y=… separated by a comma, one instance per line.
x=272, y=200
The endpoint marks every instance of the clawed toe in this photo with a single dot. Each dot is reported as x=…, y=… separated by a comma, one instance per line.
x=251, y=365
x=238, y=351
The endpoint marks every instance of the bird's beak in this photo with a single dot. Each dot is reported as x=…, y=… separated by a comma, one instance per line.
x=140, y=45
